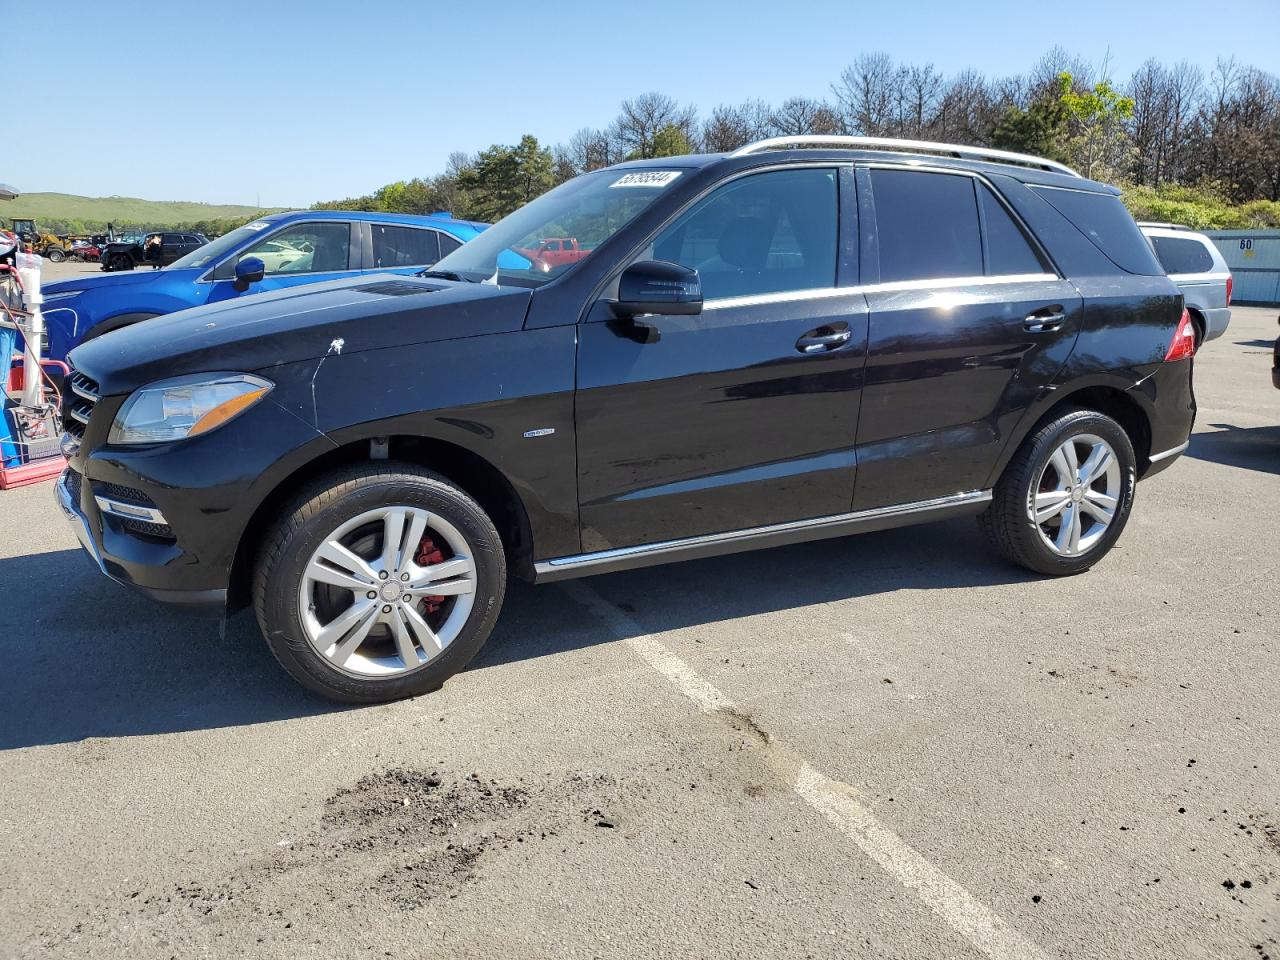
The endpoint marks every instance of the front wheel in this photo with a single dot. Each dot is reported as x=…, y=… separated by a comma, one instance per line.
x=56, y=255
x=381, y=583
x=1064, y=499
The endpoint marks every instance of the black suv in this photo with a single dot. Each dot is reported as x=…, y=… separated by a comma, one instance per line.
x=805, y=338
x=155, y=249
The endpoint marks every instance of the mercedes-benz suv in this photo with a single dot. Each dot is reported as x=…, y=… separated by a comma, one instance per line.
x=806, y=338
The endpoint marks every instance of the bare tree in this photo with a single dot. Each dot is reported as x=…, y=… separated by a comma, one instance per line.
x=866, y=93
x=642, y=117
x=966, y=112
x=920, y=89
x=729, y=128
x=800, y=115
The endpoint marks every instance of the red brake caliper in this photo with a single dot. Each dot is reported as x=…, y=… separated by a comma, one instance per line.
x=429, y=554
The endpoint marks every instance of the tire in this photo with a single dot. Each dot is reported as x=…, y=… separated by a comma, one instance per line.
x=304, y=619
x=1037, y=478
x=55, y=255
x=121, y=262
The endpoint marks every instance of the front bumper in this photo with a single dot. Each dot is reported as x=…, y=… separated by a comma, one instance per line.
x=122, y=569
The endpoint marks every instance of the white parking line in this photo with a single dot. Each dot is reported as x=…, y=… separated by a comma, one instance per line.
x=835, y=800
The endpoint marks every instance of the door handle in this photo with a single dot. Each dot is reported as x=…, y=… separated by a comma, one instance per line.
x=1044, y=321
x=824, y=339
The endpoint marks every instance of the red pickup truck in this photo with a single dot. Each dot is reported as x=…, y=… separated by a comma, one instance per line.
x=552, y=252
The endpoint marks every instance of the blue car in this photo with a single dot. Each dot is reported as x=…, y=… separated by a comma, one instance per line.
x=294, y=248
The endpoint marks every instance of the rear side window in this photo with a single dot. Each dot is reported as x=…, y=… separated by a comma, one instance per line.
x=1008, y=250
x=926, y=225
x=1103, y=219
x=448, y=244
x=1182, y=255
x=404, y=246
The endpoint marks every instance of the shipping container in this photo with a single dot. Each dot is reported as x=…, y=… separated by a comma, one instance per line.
x=1254, y=259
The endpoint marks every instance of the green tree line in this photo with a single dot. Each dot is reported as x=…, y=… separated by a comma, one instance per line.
x=1185, y=146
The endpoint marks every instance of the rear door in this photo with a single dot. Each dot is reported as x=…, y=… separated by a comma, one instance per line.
x=732, y=419
x=969, y=322
x=401, y=249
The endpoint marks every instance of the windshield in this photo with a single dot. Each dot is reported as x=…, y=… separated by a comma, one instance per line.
x=589, y=209
x=214, y=249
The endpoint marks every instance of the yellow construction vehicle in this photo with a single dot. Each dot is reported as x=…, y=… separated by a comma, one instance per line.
x=45, y=244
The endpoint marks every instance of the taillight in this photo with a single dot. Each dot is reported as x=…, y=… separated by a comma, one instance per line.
x=1229, y=282
x=1183, y=345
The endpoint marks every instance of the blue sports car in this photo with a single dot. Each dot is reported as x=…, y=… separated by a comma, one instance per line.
x=294, y=248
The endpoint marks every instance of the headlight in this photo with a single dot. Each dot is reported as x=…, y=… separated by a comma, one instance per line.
x=186, y=406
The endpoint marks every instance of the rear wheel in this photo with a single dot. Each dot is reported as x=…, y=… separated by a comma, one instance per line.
x=1065, y=498
x=56, y=255
x=381, y=583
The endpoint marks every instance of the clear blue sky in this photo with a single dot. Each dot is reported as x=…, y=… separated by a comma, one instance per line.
x=295, y=102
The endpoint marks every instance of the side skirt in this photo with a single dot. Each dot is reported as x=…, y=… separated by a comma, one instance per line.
x=775, y=535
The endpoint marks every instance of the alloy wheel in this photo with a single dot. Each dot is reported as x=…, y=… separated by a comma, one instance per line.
x=1076, y=495
x=388, y=591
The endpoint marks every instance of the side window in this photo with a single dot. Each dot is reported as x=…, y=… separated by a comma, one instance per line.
x=1104, y=220
x=448, y=244
x=926, y=225
x=305, y=248
x=404, y=246
x=1008, y=250
x=1182, y=255
x=765, y=233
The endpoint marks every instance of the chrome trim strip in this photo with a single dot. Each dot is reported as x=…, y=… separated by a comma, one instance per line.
x=72, y=512
x=84, y=392
x=1165, y=455
x=786, y=296
x=604, y=557
x=129, y=511
x=920, y=146
x=896, y=286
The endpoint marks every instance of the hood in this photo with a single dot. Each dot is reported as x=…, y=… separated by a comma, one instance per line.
x=106, y=281
x=300, y=323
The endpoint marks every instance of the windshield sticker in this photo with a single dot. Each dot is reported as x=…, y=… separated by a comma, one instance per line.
x=257, y=225
x=646, y=178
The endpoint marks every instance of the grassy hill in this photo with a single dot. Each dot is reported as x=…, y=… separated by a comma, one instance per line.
x=67, y=208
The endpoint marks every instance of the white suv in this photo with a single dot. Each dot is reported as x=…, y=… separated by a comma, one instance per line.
x=1197, y=267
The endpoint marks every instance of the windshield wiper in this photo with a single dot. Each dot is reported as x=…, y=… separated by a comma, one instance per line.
x=445, y=275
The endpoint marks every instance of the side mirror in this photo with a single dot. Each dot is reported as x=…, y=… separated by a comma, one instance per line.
x=657, y=286
x=249, y=270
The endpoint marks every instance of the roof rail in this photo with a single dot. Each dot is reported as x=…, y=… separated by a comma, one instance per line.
x=918, y=146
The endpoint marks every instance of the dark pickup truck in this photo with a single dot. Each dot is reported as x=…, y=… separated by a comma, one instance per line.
x=156, y=249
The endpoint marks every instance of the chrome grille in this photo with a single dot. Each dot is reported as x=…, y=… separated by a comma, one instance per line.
x=78, y=403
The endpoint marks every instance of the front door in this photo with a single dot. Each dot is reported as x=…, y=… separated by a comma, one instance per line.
x=745, y=415
x=968, y=325
x=305, y=252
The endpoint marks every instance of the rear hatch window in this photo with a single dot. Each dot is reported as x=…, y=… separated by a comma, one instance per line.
x=1104, y=220
x=1182, y=255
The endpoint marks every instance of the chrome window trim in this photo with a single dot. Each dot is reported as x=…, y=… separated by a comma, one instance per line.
x=129, y=511
x=1206, y=277
x=603, y=559
x=896, y=286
